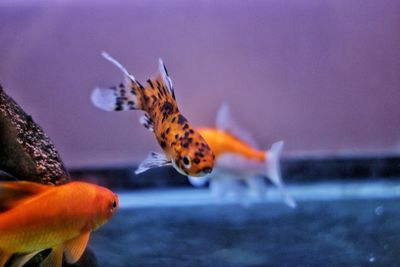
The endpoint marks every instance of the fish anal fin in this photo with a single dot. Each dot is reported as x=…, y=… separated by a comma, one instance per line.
x=226, y=122
x=153, y=160
x=54, y=259
x=12, y=193
x=74, y=248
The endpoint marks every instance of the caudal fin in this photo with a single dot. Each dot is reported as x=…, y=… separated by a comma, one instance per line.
x=126, y=96
x=274, y=172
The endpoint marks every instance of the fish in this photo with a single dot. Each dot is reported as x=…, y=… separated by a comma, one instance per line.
x=183, y=147
x=36, y=217
x=239, y=163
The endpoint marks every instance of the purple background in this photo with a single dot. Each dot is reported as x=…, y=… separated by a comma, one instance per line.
x=322, y=75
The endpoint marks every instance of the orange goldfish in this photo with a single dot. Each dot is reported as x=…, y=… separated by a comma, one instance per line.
x=36, y=217
x=238, y=159
x=183, y=147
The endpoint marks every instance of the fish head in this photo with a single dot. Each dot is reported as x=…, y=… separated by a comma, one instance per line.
x=193, y=156
x=107, y=202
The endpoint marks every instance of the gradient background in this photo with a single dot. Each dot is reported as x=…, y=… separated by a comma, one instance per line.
x=323, y=75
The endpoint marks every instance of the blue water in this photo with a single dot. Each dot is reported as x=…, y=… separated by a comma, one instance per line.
x=348, y=224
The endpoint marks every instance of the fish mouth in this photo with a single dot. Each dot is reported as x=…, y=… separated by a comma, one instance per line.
x=205, y=171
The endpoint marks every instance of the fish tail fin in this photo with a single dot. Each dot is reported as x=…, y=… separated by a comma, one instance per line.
x=125, y=96
x=273, y=172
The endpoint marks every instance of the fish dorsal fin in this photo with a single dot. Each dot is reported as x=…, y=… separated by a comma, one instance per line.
x=75, y=247
x=12, y=193
x=164, y=74
x=226, y=122
x=162, y=91
x=54, y=259
x=153, y=160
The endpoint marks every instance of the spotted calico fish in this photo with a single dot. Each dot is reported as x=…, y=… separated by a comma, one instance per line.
x=183, y=147
x=238, y=161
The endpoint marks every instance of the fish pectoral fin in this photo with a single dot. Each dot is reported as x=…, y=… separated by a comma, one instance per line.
x=198, y=181
x=22, y=260
x=75, y=247
x=54, y=259
x=153, y=160
x=12, y=193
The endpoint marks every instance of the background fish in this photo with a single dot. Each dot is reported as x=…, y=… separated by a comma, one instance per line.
x=239, y=163
x=183, y=147
x=36, y=217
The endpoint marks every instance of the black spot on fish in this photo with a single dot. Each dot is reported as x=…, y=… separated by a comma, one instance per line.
x=167, y=131
x=185, y=145
x=163, y=144
x=191, y=131
x=176, y=136
x=199, y=154
x=154, y=98
x=186, y=135
x=197, y=143
x=151, y=84
x=146, y=99
x=196, y=160
x=190, y=140
x=167, y=108
x=181, y=119
x=185, y=127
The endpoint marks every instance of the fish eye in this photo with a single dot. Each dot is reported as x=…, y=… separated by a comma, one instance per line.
x=114, y=204
x=186, y=162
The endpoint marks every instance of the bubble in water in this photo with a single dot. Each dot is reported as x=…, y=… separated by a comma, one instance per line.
x=379, y=210
x=372, y=259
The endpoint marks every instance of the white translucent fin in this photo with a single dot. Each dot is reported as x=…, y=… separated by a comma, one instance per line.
x=274, y=171
x=198, y=181
x=226, y=122
x=153, y=160
x=22, y=260
x=258, y=185
x=104, y=99
x=165, y=76
x=119, y=65
x=54, y=259
x=74, y=248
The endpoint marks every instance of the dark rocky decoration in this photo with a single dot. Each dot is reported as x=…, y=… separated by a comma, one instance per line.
x=27, y=153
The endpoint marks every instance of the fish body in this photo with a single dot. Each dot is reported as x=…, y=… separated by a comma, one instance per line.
x=36, y=217
x=223, y=142
x=183, y=147
x=239, y=162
